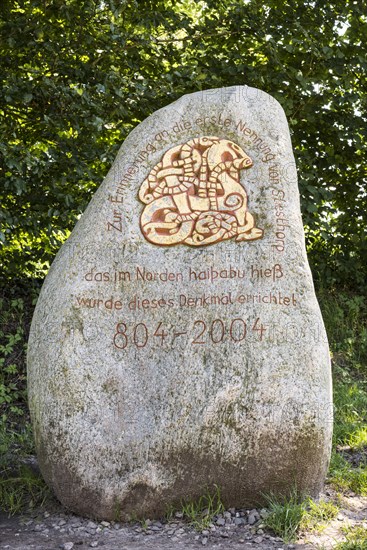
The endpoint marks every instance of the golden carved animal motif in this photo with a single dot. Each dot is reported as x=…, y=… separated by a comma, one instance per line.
x=194, y=196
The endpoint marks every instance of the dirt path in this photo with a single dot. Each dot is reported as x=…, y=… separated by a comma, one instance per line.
x=54, y=528
x=49, y=530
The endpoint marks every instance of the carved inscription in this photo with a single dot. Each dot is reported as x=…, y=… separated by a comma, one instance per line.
x=116, y=223
x=200, y=333
x=193, y=196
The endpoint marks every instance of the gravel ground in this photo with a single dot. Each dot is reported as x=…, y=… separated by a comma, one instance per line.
x=53, y=527
x=56, y=529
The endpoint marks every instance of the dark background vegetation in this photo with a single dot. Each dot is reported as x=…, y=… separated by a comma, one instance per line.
x=76, y=77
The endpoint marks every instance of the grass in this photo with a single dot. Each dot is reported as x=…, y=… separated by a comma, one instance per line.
x=350, y=434
x=200, y=513
x=345, y=317
x=356, y=539
x=23, y=490
x=344, y=477
x=285, y=515
x=20, y=487
x=318, y=515
x=288, y=516
x=350, y=404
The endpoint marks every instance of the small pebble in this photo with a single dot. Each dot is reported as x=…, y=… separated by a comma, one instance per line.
x=221, y=522
x=204, y=541
x=67, y=546
x=258, y=540
x=253, y=517
x=105, y=523
x=94, y=544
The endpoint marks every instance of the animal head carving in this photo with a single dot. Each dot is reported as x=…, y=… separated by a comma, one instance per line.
x=194, y=195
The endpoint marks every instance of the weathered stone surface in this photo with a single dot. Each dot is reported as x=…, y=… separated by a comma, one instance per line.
x=177, y=343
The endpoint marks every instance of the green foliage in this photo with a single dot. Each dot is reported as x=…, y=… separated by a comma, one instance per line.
x=356, y=539
x=350, y=406
x=344, y=477
x=16, y=309
x=15, y=447
x=345, y=317
x=318, y=514
x=76, y=77
x=200, y=512
x=20, y=487
x=287, y=516
x=12, y=355
x=24, y=490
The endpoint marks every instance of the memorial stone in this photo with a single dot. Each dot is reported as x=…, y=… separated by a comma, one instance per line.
x=177, y=344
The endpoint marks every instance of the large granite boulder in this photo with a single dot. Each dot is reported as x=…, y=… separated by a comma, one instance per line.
x=177, y=344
